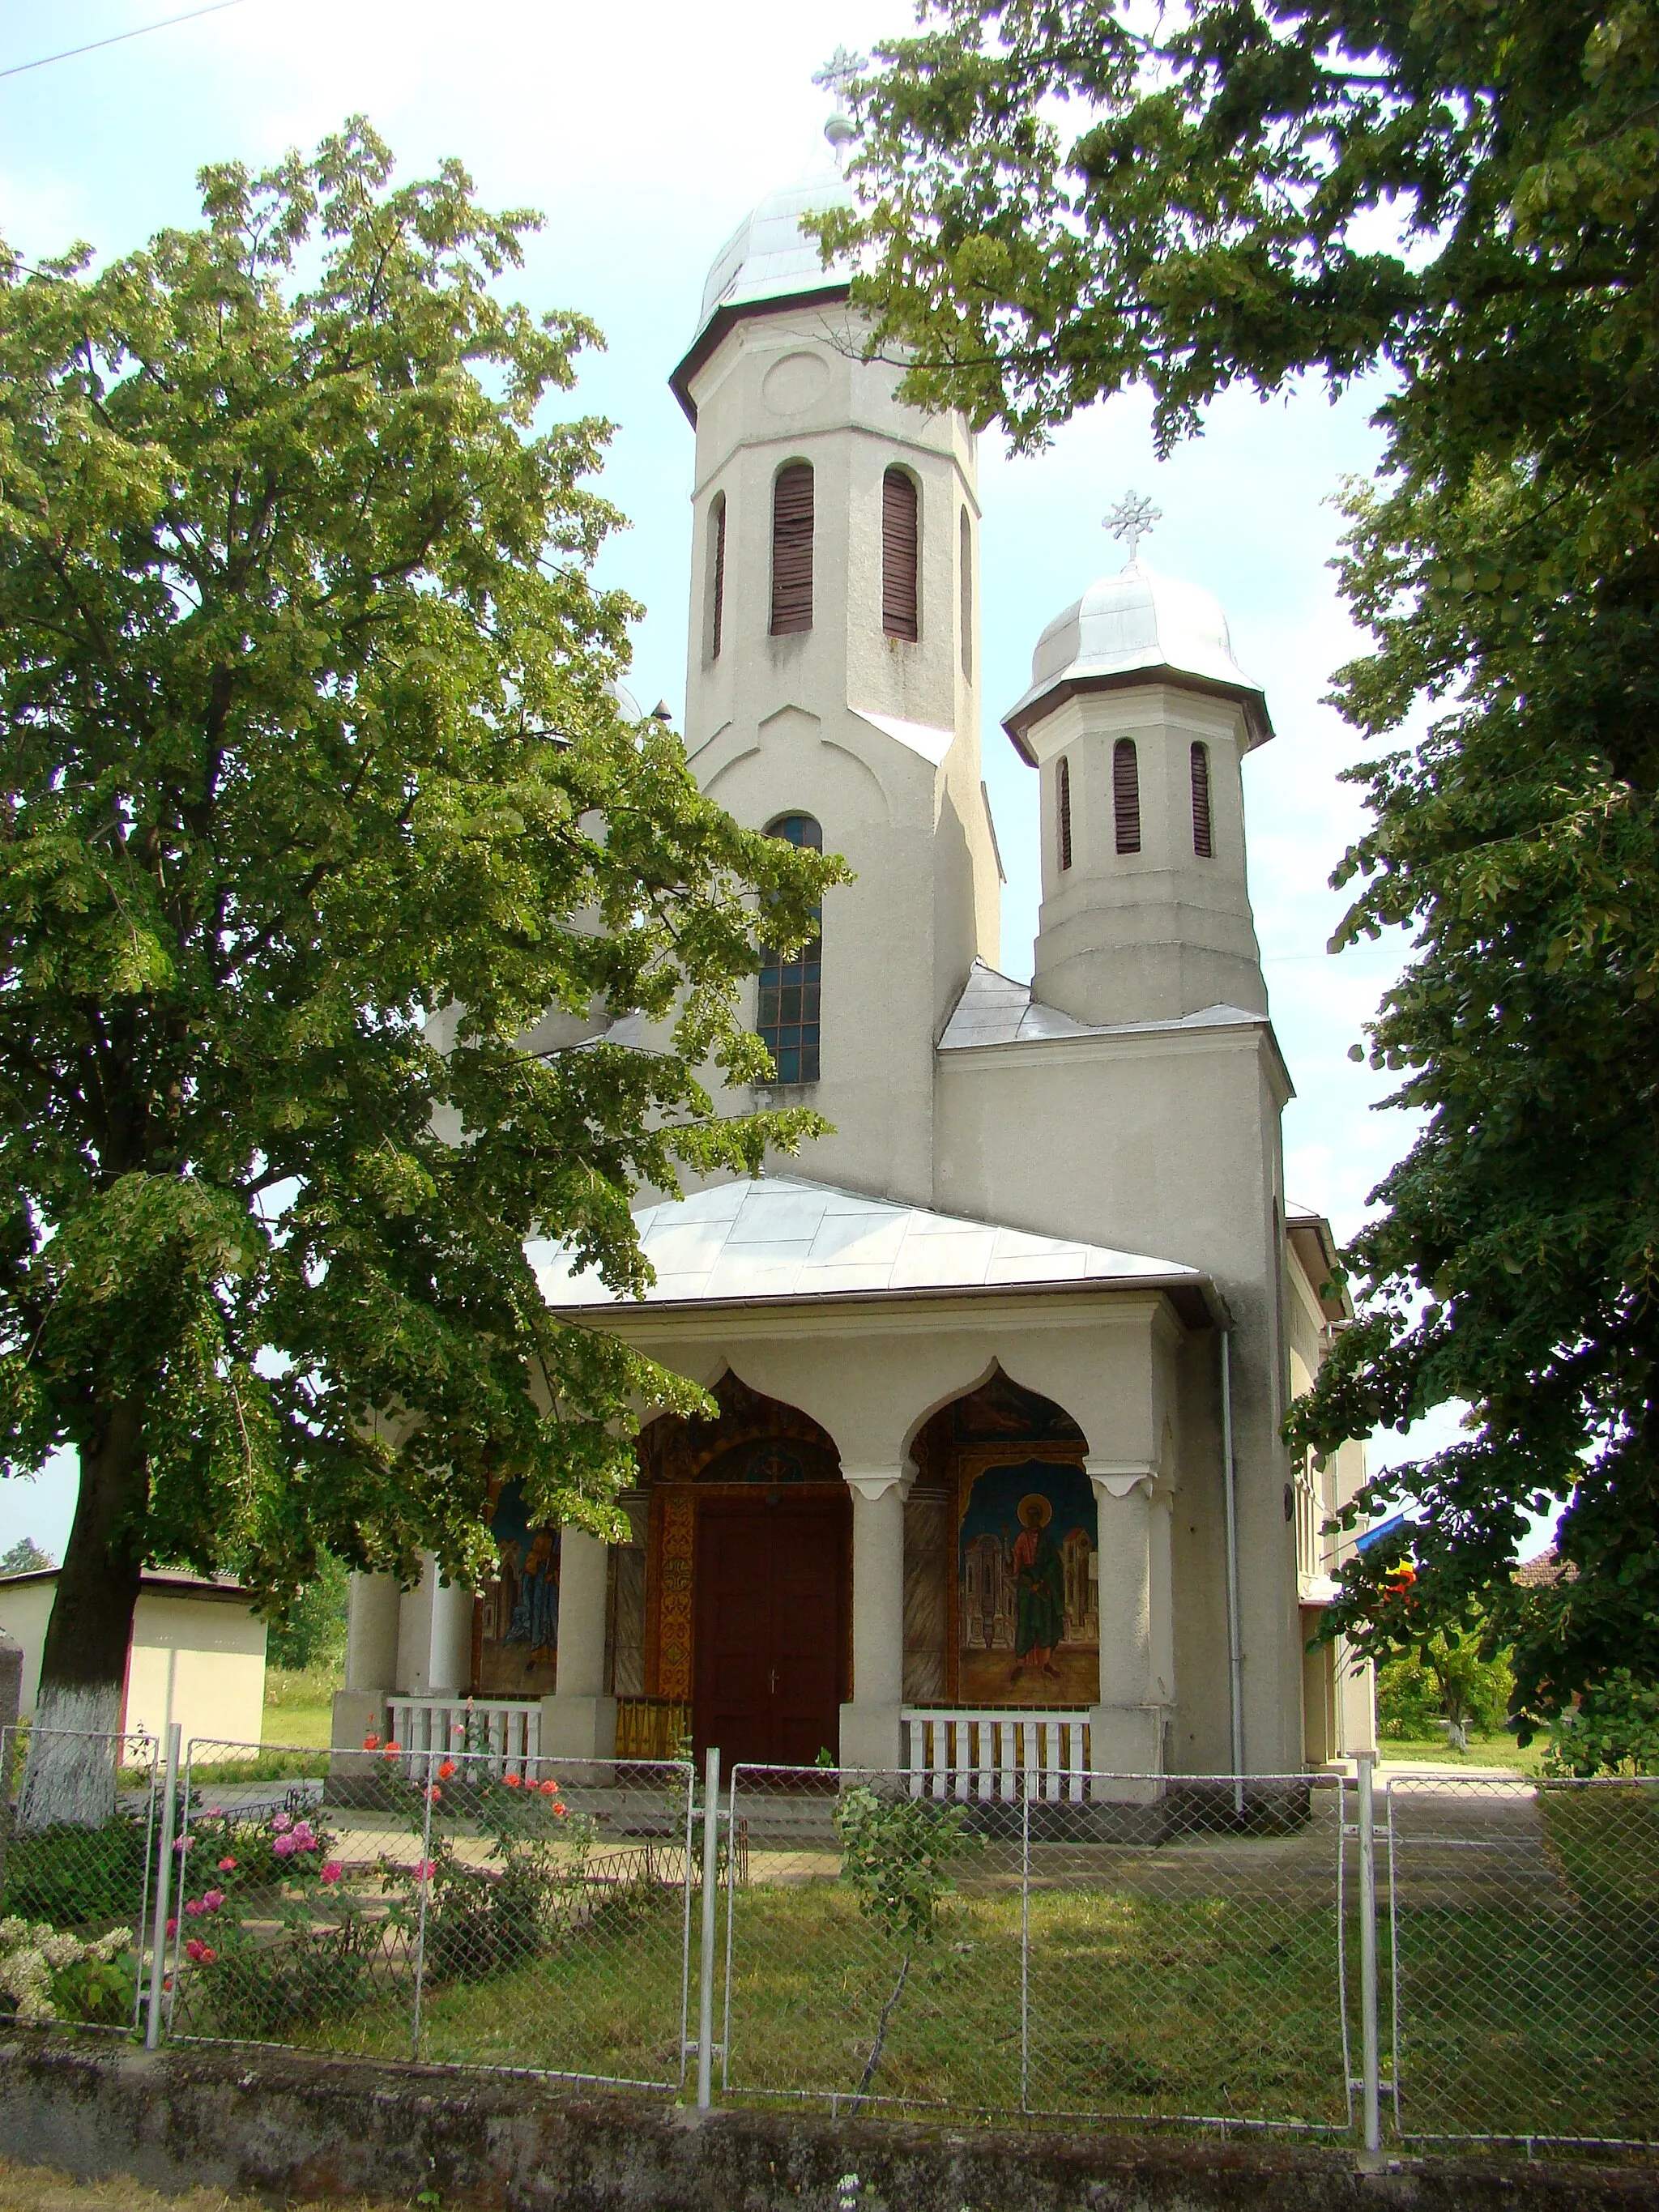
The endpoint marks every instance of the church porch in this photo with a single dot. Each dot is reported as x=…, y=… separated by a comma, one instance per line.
x=826, y=1572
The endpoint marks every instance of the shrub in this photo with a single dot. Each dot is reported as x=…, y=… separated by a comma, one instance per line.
x=77, y=1877
x=49, y=1974
x=1613, y=1729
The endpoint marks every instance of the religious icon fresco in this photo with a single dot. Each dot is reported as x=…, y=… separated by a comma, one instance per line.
x=517, y=1631
x=1028, y=1614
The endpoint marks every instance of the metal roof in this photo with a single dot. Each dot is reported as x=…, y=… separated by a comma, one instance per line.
x=1136, y=625
x=780, y=1236
x=995, y=1009
x=768, y=262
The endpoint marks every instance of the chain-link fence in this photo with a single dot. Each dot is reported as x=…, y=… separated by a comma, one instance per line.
x=1121, y=1947
x=458, y=1906
x=1460, y=1956
x=78, y=1824
x=1522, y=1928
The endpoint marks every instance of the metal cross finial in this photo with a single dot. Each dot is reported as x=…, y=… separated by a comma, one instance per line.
x=1132, y=518
x=840, y=70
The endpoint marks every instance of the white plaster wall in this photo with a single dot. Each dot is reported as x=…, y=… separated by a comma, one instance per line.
x=203, y=1657
x=1153, y=935
x=1169, y=1140
x=779, y=724
x=24, y=1611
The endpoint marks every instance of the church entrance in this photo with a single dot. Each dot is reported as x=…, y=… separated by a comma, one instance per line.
x=770, y=1627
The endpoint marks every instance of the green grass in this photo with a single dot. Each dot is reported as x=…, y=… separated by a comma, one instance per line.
x=1161, y=1986
x=300, y=1706
x=1136, y=2006
x=1484, y=1751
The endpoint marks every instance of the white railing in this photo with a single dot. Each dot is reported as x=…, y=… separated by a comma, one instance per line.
x=954, y=1753
x=512, y=1733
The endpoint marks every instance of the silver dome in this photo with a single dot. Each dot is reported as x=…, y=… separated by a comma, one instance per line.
x=767, y=257
x=1134, y=622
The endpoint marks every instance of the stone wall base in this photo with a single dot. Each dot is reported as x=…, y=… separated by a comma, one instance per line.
x=289, y=2126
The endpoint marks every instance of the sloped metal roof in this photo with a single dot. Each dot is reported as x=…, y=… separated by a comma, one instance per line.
x=782, y=1237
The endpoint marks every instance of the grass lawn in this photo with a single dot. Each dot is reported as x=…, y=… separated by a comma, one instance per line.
x=1500, y=1750
x=1535, y=2013
x=299, y=1706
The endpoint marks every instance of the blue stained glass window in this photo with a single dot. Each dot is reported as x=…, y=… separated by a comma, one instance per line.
x=787, y=1018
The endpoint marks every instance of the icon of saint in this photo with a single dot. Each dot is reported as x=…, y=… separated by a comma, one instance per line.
x=1039, y=1591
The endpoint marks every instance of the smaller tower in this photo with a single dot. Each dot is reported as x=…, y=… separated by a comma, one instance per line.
x=1137, y=720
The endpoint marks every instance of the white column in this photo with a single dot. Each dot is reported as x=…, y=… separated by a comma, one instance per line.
x=870, y=1724
x=1126, y=1729
x=371, y=1660
x=451, y=1670
x=579, y=1720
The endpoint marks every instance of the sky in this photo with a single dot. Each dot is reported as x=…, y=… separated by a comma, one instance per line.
x=644, y=131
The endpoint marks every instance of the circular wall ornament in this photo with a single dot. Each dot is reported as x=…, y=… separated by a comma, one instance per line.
x=791, y=385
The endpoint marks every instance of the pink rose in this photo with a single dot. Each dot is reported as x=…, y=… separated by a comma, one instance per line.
x=227, y=1866
x=212, y=1899
x=173, y=1928
x=424, y=1869
x=203, y=1954
x=184, y=1843
x=305, y=1836
x=332, y=1871
x=285, y=1847
x=194, y=1908
x=281, y=1822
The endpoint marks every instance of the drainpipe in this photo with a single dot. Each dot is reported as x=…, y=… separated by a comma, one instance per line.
x=1235, y=1643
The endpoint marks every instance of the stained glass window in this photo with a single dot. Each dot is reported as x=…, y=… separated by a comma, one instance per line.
x=789, y=988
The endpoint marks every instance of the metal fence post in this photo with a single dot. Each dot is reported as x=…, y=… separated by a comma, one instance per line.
x=1364, y=1762
x=1025, y=1947
x=426, y=1885
x=163, y=1890
x=711, y=1828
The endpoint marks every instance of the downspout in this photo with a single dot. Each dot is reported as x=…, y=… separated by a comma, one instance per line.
x=1235, y=1643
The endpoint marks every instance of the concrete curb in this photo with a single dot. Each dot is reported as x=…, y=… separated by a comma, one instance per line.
x=288, y=2125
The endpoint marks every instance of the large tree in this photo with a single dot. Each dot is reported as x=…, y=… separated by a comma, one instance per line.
x=1064, y=198
x=315, y=797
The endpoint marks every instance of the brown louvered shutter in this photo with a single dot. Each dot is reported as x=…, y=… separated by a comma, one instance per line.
x=898, y=553
x=1203, y=843
x=1125, y=795
x=791, y=549
x=1063, y=809
x=717, y=584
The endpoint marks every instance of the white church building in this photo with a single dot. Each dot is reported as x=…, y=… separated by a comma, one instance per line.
x=997, y=1478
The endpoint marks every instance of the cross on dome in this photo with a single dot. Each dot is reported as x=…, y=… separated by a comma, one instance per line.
x=842, y=69
x=1132, y=518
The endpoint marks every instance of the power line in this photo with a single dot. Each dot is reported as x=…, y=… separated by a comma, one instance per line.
x=120, y=37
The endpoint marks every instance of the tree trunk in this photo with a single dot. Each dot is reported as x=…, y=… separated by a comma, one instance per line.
x=71, y=1775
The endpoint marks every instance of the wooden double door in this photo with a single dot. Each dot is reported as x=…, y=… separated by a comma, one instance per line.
x=771, y=1607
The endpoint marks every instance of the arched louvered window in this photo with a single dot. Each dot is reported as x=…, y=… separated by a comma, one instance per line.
x=1063, y=811
x=791, y=549
x=965, y=582
x=900, y=532
x=788, y=1017
x=1203, y=836
x=1125, y=795
x=716, y=575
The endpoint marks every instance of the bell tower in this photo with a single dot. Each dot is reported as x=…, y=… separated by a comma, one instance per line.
x=1138, y=720
x=832, y=680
